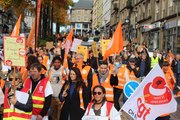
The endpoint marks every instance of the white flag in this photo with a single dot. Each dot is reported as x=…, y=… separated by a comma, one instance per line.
x=152, y=98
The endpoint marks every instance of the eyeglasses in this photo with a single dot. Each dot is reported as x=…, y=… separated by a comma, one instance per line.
x=11, y=79
x=95, y=93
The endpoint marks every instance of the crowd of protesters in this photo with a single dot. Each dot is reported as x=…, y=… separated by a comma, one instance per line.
x=85, y=88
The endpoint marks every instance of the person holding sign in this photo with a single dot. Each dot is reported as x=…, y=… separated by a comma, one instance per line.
x=17, y=101
x=99, y=108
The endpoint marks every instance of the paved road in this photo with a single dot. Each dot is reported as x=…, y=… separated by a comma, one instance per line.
x=176, y=115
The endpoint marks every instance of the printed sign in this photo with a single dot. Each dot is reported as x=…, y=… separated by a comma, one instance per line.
x=75, y=43
x=104, y=45
x=83, y=50
x=130, y=87
x=14, y=51
x=94, y=49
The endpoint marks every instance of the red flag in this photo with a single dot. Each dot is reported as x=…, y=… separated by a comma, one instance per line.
x=116, y=44
x=68, y=43
x=16, y=29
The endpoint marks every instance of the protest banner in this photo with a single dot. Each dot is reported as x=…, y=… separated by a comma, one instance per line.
x=14, y=51
x=104, y=45
x=75, y=44
x=84, y=51
x=49, y=45
x=152, y=98
x=94, y=49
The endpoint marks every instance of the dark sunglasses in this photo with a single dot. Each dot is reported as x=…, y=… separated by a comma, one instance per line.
x=95, y=93
x=11, y=79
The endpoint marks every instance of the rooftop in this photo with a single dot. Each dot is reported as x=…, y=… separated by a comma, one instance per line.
x=83, y=4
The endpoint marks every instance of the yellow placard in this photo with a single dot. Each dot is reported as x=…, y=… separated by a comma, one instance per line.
x=94, y=49
x=14, y=51
x=84, y=51
x=104, y=45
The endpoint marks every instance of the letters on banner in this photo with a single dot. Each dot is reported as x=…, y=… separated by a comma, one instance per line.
x=152, y=98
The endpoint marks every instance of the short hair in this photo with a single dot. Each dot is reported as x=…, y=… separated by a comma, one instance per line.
x=103, y=63
x=38, y=66
x=57, y=58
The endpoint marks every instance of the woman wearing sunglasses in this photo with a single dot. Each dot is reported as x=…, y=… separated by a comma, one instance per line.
x=99, y=108
x=74, y=95
x=14, y=107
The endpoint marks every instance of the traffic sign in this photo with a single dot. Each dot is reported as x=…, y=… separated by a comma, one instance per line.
x=130, y=87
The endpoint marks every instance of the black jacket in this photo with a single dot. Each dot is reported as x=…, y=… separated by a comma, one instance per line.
x=71, y=106
x=174, y=65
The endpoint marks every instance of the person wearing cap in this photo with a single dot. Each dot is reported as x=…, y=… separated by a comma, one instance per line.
x=15, y=108
x=125, y=73
x=171, y=82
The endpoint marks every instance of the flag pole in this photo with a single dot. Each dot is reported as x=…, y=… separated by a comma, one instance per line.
x=36, y=26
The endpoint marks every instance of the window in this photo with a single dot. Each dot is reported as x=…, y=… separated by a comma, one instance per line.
x=78, y=18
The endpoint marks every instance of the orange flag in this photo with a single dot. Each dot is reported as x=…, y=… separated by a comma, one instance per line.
x=31, y=37
x=16, y=29
x=68, y=43
x=116, y=44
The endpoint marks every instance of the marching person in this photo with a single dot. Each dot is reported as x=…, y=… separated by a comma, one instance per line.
x=171, y=83
x=41, y=91
x=125, y=73
x=100, y=107
x=103, y=78
x=22, y=110
x=57, y=76
x=74, y=95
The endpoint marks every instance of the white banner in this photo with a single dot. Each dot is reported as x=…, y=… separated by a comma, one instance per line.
x=75, y=44
x=152, y=98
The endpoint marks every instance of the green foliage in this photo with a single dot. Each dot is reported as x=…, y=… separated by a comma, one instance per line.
x=41, y=42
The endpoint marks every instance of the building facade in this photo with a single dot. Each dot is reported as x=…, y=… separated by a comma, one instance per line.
x=155, y=21
x=80, y=17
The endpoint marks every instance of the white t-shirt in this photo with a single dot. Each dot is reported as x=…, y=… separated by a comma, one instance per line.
x=114, y=114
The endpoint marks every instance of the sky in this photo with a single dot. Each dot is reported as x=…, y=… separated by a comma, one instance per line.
x=75, y=0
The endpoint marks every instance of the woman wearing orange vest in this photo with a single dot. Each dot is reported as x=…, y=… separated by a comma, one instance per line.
x=171, y=82
x=100, y=107
x=74, y=95
x=19, y=111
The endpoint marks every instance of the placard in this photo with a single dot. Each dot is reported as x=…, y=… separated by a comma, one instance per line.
x=49, y=45
x=104, y=45
x=84, y=51
x=75, y=44
x=14, y=51
x=89, y=117
x=94, y=49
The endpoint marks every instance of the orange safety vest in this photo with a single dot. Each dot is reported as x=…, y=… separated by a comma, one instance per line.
x=24, y=73
x=106, y=85
x=11, y=114
x=2, y=83
x=84, y=73
x=38, y=96
x=109, y=106
x=121, y=77
x=45, y=59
